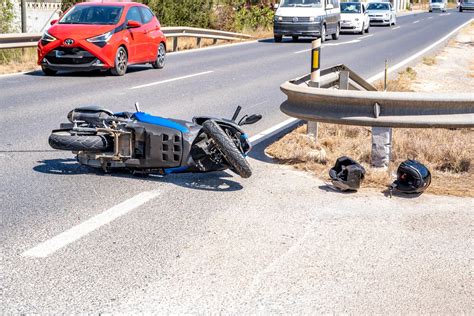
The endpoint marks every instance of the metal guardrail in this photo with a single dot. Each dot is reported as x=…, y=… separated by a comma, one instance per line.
x=22, y=40
x=374, y=108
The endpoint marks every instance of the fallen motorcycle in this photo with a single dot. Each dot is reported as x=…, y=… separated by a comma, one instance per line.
x=147, y=144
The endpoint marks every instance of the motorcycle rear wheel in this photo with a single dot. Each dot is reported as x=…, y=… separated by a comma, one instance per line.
x=63, y=140
x=227, y=147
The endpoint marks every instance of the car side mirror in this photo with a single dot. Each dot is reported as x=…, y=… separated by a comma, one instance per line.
x=133, y=24
x=329, y=6
x=53, y=22
x=252, y=119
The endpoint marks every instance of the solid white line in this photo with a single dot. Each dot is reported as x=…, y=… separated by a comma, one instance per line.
x=396, y=28
x=302, y=51
x=49, y=246
x=362, y=37
x=417, y=21
x=331, y=44
x=421, y=52
x=171, y=80
x=262, y=135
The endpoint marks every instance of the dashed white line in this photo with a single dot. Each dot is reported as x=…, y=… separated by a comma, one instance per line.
x=430, y=18
x=171, y=80
x=396, y=28
x=365, y=36
x=417, y=21
x=330, y=44
x=73, y=234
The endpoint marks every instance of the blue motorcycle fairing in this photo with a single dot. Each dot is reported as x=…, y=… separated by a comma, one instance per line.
x=160, y=121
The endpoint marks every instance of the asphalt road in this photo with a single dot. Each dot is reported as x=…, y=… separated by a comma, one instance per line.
x=135, y=259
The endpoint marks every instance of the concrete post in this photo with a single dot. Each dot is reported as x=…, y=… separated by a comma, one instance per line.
x=312, y=129
x=175, y=43
x=23, y=16
x=381, y=147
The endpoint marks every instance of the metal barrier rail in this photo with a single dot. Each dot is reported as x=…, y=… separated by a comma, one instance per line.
x=374, y=108
x=22, y=40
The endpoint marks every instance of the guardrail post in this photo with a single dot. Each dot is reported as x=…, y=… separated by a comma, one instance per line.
x=198, y=42
x=175, y=43
x=381, y=147
x=214, y=41
x=312, y=127
x=344, y=80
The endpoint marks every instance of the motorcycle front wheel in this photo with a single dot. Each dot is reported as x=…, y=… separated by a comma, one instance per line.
x=64, y=140
x=227, y=147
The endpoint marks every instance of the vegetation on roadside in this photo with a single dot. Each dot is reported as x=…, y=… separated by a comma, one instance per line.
x=6, y=16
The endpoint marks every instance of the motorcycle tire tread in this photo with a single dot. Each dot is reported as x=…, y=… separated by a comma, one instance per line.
x=63, y=140
x=227, y=147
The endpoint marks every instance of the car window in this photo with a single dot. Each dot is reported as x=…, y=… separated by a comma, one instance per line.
x=350, y=7
x=378, y=6
x=335, y=3
x=92, y=14
x=134, y=14
x=147, y=14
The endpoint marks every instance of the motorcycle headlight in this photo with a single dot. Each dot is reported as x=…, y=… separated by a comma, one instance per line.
x=104, y=38
x=47, y=38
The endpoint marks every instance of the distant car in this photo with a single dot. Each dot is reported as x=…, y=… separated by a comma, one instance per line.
x=354, y=18
x=440, y=5
x=103, y=36
x=466, y=5
x=314, y=18
x=381, y=13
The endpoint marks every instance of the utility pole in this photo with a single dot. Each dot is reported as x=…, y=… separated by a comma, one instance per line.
x=23, y=16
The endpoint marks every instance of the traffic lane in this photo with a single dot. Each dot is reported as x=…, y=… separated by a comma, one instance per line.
x=183, y=254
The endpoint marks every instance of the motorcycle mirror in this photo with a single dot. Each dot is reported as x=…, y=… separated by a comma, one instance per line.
x=252, y=119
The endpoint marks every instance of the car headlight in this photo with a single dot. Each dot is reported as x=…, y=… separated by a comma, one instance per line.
x=315, y=18
x=278, y=18
x=386, y=15
x=101, y=38
x=47, y=38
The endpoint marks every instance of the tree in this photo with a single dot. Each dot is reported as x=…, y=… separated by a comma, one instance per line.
x=6, y=16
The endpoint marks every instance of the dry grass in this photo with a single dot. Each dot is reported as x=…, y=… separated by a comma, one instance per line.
x=19, y=60
x=401, y=83
x=429, y=60
x=447, y=153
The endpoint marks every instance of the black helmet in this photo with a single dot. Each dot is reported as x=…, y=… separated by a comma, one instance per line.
x=347, y=174
x=412, y=177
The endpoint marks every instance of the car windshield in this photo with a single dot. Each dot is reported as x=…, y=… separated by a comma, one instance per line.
x=468, y=1
x=350, y=7
x=94, y=14
x=300, y=3
x=378, y=6
x=436, y=1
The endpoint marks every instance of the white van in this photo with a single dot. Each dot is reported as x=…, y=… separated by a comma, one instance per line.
x=440, y=5
x=313, y=18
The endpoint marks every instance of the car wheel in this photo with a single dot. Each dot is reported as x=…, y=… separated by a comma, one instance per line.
x=121, y=62
x=278, y=38
x=335, y=36
x=295, y=38
x=159, y=63
x=48, y=71
x=368, y=28
x=323, y=34
x=362, y=29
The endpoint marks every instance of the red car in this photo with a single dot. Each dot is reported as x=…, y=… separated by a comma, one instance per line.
x=102, y=36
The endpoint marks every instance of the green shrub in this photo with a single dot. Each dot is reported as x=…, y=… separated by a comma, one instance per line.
x=254, y=18
x=196, y=13
x=6, y=16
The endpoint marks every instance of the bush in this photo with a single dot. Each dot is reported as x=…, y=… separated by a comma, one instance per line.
x=6, y=16
x=254, y=18
x=196, y=13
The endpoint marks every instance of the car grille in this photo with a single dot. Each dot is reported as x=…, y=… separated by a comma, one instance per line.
x=70, y=56
x=299, y=19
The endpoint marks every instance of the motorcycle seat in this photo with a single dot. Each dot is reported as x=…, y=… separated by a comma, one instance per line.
x=160, y=121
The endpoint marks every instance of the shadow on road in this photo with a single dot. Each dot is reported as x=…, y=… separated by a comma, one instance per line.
x=213, y=181
x=93, y=73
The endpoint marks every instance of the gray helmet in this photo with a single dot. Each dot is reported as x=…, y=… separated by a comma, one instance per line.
x=412, y=177
x=347, y=174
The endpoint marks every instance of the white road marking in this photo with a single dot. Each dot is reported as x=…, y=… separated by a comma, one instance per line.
x=73, y=234
x=417, y=21
x=421, y=52
x=396, y=28
x=365, y=36
x=430, y=17
x=329, y=44
x=268, y=132
x=171, y=80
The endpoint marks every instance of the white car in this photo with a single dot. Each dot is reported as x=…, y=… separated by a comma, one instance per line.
x=440, y=5
x=354, y=18
x=381, y=13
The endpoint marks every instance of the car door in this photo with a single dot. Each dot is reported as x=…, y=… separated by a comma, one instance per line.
x=150, y=28
x=365, y=16
x=137, y=36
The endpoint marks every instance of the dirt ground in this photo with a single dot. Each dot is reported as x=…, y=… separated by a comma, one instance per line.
x=448, y=153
